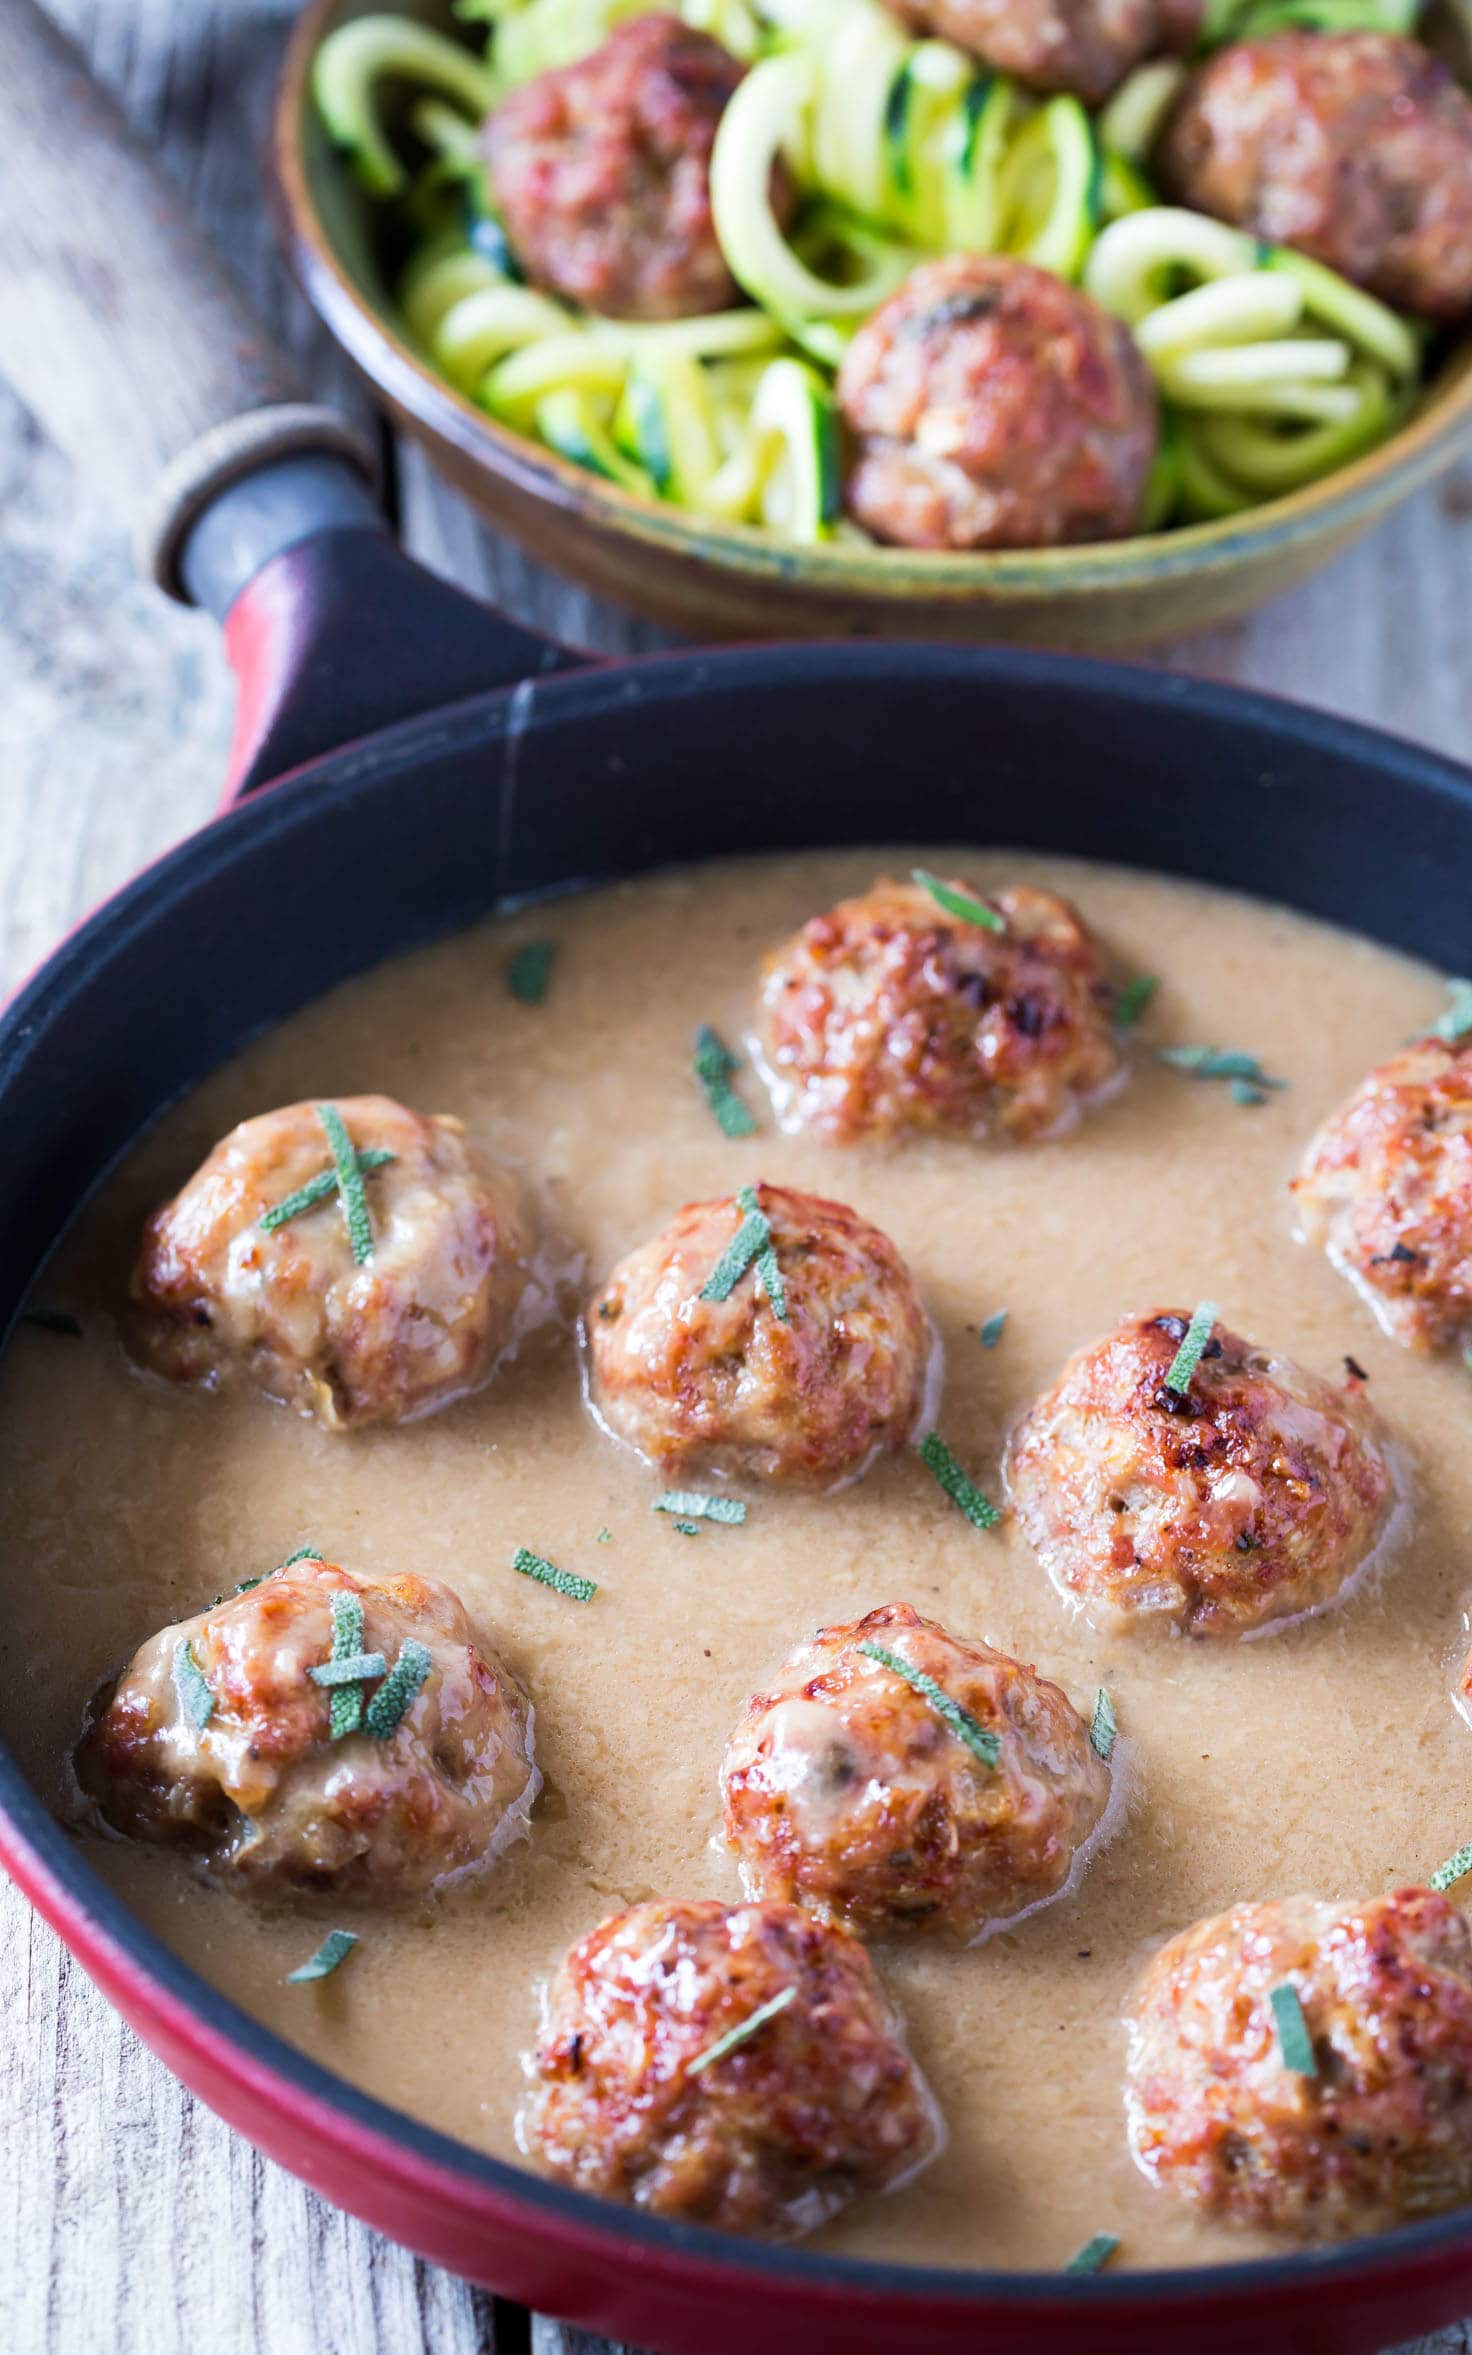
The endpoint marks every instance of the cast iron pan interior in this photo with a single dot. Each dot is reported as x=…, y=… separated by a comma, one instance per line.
x=602, y=774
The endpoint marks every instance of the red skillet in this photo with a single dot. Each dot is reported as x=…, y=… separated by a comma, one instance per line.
x=425, y=787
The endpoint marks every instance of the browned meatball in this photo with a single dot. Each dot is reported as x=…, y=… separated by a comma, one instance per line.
x=887, y=1014
x=601, y=173
x=1383, y=2127
x=1354, y=147
x=442, y=1297
x=1386, y=1190
x=218, y=1737
x=1085, y=46
x=993, y=406
x=732, y=1386
x=820, y=2103
x=1253, y=1497
x=848, y=1792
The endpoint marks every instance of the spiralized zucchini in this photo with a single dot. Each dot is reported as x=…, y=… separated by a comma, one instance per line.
x=1276, y=369
x=1272, y=371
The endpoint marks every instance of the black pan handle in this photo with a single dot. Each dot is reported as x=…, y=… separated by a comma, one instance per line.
x=127, y=340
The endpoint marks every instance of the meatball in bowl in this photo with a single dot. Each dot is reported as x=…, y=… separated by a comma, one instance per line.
x=244, y=1737
x=775, y=1337
x=1218, y=1497
x=993, y=406
x=600, y=171
x=895, y=1778
x=1354, y=148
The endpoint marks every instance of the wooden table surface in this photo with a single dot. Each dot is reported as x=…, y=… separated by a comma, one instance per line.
x=130, y=2219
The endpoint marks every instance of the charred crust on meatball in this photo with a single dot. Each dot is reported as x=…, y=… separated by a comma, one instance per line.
x=819, y=2105
x=845, y=1792
x=887, y=1014
x=1253, y=1496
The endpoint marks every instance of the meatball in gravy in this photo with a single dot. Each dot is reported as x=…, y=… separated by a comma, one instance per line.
x=1220, y=2114
x=846, y=1791
x=220, y=1738
x=889, y=1014
x=1082, y=46
x=651, y=2090
x=990, y=405
x=600, y=172
x=808, y=1386
x=1354, y=147
x=1252, y=1496
x=1386, y=1189
x=442, y=1293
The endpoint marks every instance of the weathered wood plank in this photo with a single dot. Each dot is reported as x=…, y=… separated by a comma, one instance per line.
x=132, y=2219
x=1379, y=636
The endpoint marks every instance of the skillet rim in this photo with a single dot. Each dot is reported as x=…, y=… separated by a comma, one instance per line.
x=48, y=1854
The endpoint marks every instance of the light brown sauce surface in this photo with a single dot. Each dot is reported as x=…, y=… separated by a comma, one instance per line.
x=1327, y=1758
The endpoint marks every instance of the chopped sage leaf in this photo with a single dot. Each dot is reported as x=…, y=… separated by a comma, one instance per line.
x=304, y=1553
x=1193, y=1348
x=1219, y=1063
x=317, y=1190
x=563, y=1582
x=396, y=1693
x=743, y=2030
x=1456, y=1023
x=1456, y=1868
x=246, y=1586
x=1294, y=2041
x=334, y=1949
x=605, y=1537
x=195, y=1698
x=769, y=1276
x=349, y=1183
x=1133, y=999
x=1104, y=1730
x=686, y=1528
x=350, y=1670
x=740, y=1254
x=696, y=1505
x=52, y=1320
x=982, y=1745
x=528, y=972
x=991, y=1332
x=347, y=1644
x=962, y=1491
x=964, y=904
x=1094, y=2255
x=750, y=1246
x=715, y=1066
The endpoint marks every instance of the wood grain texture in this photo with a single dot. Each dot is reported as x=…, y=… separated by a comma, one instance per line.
x=131, y=2221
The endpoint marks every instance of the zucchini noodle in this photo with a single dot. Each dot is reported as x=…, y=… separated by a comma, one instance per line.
x=1277, y=370
x=1271, y=370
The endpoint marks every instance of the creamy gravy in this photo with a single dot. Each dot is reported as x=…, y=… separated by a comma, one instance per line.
x=1327, y=1758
